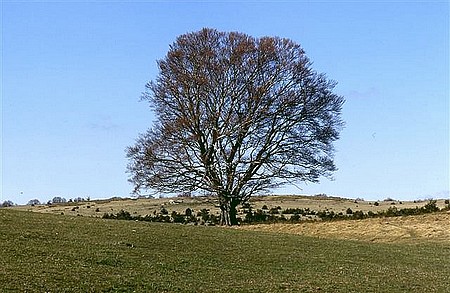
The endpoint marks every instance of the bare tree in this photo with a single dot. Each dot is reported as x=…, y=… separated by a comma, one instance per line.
x=235, y=116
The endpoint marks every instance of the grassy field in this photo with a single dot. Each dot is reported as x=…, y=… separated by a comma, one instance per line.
x=44, y=252
x=426, y=227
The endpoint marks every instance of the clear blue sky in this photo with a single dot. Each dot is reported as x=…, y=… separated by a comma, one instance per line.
x=72, y=75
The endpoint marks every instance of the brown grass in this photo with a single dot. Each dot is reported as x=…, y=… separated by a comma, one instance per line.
x=434, y=227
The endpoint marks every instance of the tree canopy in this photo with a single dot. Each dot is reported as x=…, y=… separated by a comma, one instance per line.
x=235, y=116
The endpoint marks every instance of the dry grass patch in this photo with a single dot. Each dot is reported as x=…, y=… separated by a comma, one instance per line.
x=429, y=227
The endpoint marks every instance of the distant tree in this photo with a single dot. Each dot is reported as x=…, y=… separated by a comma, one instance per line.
x=235, y=116
x=33, y=202
x=58, y=199
x=7, y=203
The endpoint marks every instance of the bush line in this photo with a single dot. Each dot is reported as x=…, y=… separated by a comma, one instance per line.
x=297, y=215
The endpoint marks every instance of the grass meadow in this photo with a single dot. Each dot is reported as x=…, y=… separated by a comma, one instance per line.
x=56, y=253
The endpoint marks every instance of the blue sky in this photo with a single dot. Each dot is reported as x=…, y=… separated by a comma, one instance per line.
x=72, y=75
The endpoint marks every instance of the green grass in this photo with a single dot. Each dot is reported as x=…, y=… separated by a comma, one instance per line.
x=53, y=253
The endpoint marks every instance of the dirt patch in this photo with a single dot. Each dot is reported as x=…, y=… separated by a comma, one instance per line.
x=430, y=227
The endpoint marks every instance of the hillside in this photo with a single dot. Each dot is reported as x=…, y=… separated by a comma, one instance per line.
x=430, y=227
x=144, y=206
x=434, y=227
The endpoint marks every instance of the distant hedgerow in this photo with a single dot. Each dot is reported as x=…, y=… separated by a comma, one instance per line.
x=204, y=217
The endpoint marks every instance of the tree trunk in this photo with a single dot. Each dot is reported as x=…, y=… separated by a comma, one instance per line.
x=228, y=212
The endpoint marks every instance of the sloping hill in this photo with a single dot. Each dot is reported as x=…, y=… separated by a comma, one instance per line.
x=429, y=227
x=434, y=227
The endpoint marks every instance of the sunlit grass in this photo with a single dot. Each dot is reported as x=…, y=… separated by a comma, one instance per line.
x=52, y=253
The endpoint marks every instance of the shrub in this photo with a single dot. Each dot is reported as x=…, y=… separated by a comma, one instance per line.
x=327, y=216
x=274, y=211
x=392, y=212
x=349, y=211
x=431, y=207
x=295, y=211
x=204, y=214
x=295, y=218
x=214, y=220
x=124, y=215
x=255, y=217
x=177, y=218
x=191, y=219
x=376, y=203
x=358, y=215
